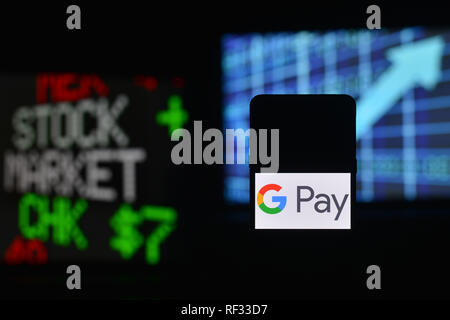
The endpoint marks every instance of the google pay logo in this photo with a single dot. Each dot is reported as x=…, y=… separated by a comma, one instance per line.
x=281, y=200
x=316, y=200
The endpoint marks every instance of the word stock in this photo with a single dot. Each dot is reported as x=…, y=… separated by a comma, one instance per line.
x=74, y=147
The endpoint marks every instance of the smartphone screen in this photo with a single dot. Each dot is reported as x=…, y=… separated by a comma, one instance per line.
x=310, y=180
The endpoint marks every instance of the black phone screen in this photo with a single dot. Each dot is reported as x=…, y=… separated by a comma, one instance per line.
x=316, y=135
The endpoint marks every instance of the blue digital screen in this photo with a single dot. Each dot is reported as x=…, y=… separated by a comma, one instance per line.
x=400, y=80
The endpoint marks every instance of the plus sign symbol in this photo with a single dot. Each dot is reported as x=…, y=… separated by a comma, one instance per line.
x=175, y=116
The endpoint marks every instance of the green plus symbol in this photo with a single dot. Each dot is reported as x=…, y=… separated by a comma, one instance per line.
x=175, y=116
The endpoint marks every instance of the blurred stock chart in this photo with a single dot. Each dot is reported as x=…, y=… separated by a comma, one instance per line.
x=400, y=80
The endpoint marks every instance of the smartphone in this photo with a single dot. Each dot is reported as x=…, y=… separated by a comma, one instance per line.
x=310, y=183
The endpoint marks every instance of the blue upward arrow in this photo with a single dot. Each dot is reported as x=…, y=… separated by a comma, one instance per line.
x=413, y=64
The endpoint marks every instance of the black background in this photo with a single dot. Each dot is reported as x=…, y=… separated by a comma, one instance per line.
x=223, y=258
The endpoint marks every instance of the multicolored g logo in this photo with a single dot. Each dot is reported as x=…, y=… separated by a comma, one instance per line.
x=280, y=199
